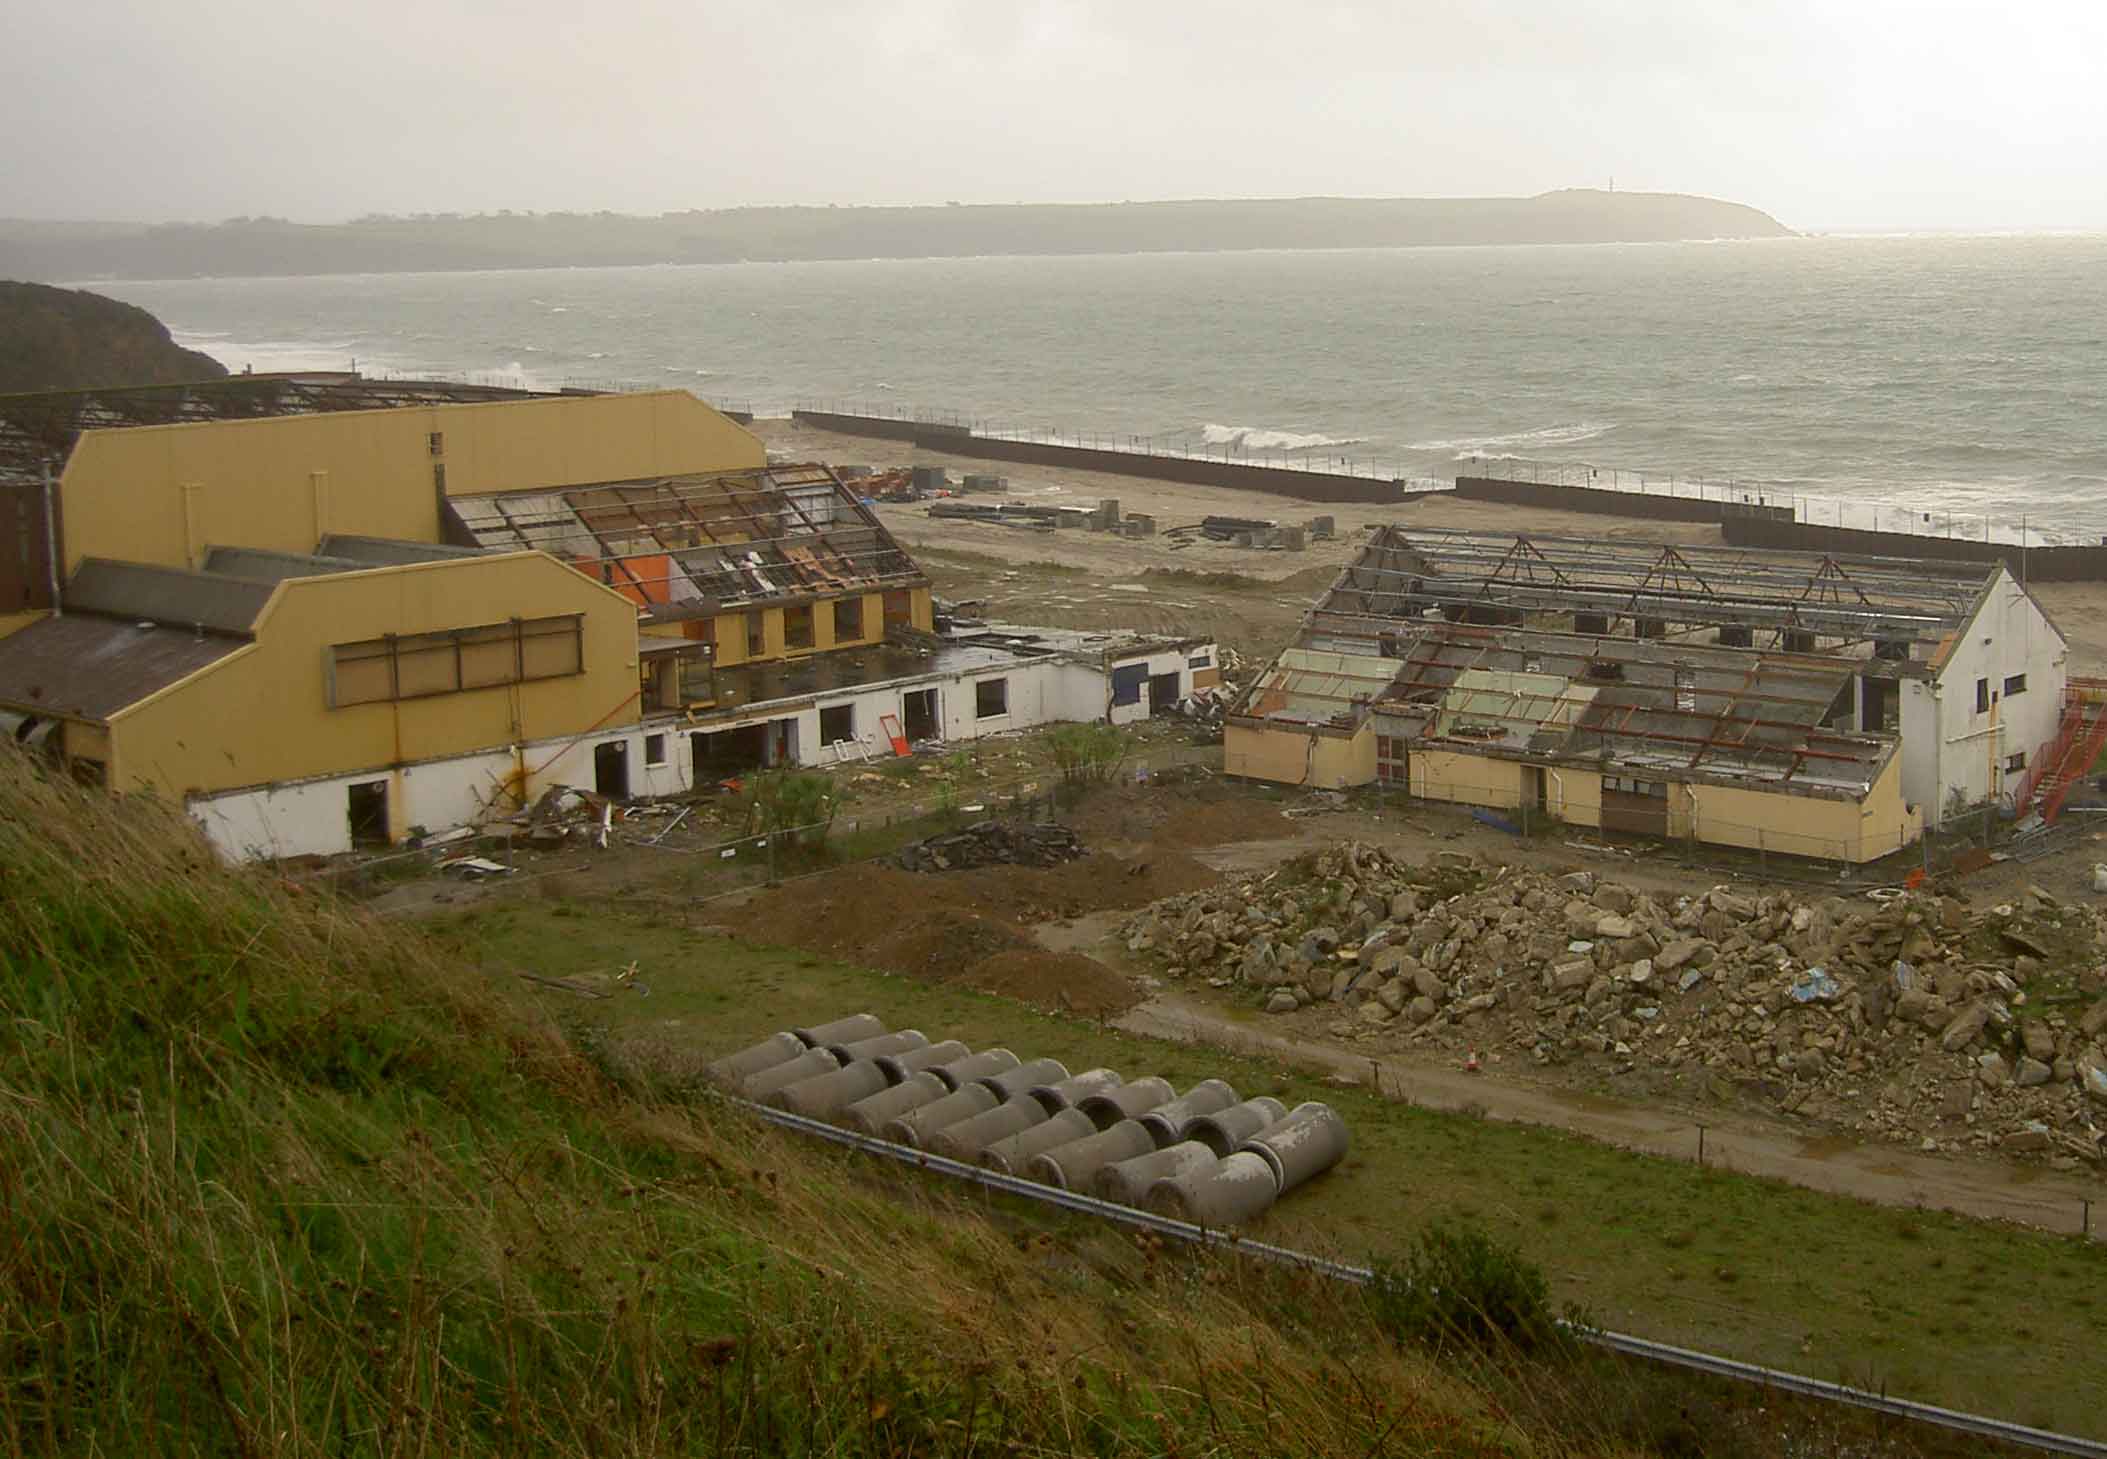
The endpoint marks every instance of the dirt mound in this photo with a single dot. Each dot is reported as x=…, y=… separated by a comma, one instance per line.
x=1206, y=815
x=1058, y=980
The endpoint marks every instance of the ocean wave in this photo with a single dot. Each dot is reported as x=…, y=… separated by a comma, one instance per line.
x=1261, y=438
x=1571, y=433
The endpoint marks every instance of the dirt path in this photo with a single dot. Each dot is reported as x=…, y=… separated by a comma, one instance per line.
x=1830, y=1163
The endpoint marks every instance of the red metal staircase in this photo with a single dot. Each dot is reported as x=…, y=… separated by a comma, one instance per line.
x=2057, y=770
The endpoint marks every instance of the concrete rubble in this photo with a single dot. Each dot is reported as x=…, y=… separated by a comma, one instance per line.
x=993, y=843
x=1904, y=1015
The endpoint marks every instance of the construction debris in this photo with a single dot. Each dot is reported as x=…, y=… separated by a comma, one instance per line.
x=993, y=843
x=1909, y=1017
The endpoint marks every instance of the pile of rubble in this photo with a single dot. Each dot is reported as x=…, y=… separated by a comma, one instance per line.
x=993, y=843
x=1902, y=1014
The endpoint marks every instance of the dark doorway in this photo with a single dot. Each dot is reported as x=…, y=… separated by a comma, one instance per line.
x=728, y=754
x=1875, y=696
x=918, y=709
x=611, y=769
x=1637, y=806
x=1163, y=692
x=368, y=803
x=1535, y=787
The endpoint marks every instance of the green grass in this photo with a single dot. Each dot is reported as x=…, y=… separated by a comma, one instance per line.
x=1921, y=1303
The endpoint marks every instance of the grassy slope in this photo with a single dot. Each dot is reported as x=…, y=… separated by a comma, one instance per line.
x=1925, y=1304
x=277, y=1181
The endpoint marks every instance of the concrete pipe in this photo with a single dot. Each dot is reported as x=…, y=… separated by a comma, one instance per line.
x=1108, y=1108
x=898, y=1066
x=907, y=1040
x=974, y=1066
x=732, y=1069
x=870, y=1114
x=1072, y=1165
x=917, y=1125
x=1026, y=1077
x=1310, y=1141
x=1011, y=1155
x=1129, y=1182
x=1229, y=1193
x=782, y=1076
x=1226, y=1129
x=841, y=1030
x=824, y=1096
x=966, y=1139
x=1067, y=1093
x=1167, y=1122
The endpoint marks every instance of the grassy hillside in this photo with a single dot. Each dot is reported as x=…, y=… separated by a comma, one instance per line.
x=70, y=339
x=253, y=246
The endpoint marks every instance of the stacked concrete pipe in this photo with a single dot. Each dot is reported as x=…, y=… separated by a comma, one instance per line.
x=1108, y=1107
x=966, y=1139
x=1024, y=1078
x=1226, y=1193
x=734, y=1069
x=905, y=1041
x=1071, y=1166
x=1166, y=1122
x=1013, y=1154
x=1226, y=1129
x=917, y=1125
x=1311, y=1140
x=871, y=1114
x=898, y=1066
x=1129, y=1182
x=841, y=1030
x=973, y=1067
x=1066, y=1093
x=782, y=1076
x=824, y=1096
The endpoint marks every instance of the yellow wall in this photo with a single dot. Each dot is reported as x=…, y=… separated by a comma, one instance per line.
x=162, y=494
x=1799, y=825
x=1300, y=757
x=728, y=629
x=1573, y=796
x=262, y=714
x=1466, y=779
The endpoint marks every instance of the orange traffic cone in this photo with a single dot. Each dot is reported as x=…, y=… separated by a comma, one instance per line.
x=1470, y=1065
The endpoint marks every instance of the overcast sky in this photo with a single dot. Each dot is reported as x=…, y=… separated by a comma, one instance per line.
x=1827, y=113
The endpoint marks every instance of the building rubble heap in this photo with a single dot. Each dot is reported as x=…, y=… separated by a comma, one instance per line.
x=1905, y=1015
x=993, y=843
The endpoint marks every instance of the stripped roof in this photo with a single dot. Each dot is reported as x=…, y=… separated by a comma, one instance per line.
x=86, y=666
x=685, y=546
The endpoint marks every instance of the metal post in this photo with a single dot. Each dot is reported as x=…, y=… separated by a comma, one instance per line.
x=51, y=544
x=2085, y=1229
x=1700, y=1144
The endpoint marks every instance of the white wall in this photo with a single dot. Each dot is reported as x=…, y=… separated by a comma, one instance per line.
x=2008, y=636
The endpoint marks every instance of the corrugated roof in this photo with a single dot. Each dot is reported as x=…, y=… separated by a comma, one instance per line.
x=89, y=667
x=262, y=565
x=388, y=551
x=171, y=595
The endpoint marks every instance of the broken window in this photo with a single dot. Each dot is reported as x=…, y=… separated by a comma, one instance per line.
x=654, y=749
x=837, y=723
x=416, y=665
x=2016, y=761
x=797, y=626
x=991, y=698
x=1982, y=696
x=2015, y=684
x=848, y=619
x=756, y=635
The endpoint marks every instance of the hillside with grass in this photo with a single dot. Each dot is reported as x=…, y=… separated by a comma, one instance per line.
x=70, y=339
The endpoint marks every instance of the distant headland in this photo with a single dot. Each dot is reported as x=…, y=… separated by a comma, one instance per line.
x=382, y=244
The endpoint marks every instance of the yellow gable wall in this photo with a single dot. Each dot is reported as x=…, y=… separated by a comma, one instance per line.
x=263, y=714
x=1799, y=825
x=1466, y=779
x=162, y=494
x=1300, y=757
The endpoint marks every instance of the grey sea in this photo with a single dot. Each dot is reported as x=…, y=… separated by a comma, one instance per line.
x=1963, y=375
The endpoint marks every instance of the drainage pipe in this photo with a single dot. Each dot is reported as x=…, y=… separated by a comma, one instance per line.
x=1229, y=1193
x=974, y=1066
x=907, y=1040
x=1011, y=1155
x=1067, y=1093
x=966, y=1139
x=1310, y=1141
x=782, y=1076
x=1226, y=1129
x=841, y=1030
x=917, y=1125
x=825, y=1096
x=1128, y=1182
x=898, y=1066
x=874, y=1112
x=1070, y=1166
x=1108, y=1107
x=1025, y=1077
x=1167, y=1122
x=776, y=1049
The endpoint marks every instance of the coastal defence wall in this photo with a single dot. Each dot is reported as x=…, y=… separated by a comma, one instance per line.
x=1309, y=486
x=2035, y=564
x=1607, y=502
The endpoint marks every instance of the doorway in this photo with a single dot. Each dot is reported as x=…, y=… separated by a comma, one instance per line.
x=728, y=754
x=918, y=711
x=1163, y=692
x=611, y=769
x=367, y=803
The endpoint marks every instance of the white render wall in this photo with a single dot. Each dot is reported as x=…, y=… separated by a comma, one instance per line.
x=1953, y=756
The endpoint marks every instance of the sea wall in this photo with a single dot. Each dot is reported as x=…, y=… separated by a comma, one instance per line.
x=2034, y=564
x=1603, y=501
x=1310, y=486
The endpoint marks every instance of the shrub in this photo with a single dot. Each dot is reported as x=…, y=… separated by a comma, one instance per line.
x=1086, y=753
x=790, y=801
x=1458, y=1285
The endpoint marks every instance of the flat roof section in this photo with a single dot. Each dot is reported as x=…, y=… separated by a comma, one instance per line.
x=83, y=666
